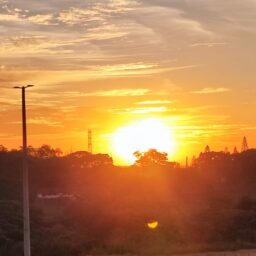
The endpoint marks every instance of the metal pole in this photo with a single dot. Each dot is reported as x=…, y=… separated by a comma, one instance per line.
x=26, y=218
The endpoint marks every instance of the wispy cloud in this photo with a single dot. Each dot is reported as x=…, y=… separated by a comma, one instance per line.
x=129, y=66
x=209, y=90
x=118, y=50
x=105, y=32
x=40, y=121
x=76, y=16
x=173, y=19
x=149, y=110
x=119, y=93
x=209, y=44
x=44, y=19
x=98, y=12
x=130, y=69
x=154, y=102
x=139, y=111
x=44, y=121
x=207, y=131
x=37, y=45
x=9, y=17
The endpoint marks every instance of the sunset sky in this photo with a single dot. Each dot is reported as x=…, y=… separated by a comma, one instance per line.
x=110, y=64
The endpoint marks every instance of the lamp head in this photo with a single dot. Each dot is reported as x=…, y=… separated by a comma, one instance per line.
x=23, y=87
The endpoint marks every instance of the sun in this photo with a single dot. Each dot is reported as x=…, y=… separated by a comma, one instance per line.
x=142, y=136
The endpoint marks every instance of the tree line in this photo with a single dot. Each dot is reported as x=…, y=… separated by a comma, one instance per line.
x=209, y=206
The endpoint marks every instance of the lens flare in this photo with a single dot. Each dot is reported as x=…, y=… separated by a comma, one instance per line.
x=153, y=225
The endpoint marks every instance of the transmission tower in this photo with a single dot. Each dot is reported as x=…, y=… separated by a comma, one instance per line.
x=235, y=150
x=207, y=149
x=90, y=141
x=244, y=145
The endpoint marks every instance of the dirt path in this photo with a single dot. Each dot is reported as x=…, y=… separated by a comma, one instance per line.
x=227, y=253
x=235, y=253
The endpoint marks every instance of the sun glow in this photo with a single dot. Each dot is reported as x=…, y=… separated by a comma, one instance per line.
x=142, y=136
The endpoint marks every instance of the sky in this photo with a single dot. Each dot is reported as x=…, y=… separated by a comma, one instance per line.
x=107, y=64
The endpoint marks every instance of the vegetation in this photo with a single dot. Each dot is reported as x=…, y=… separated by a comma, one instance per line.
x=151, y=157
x=82, y=204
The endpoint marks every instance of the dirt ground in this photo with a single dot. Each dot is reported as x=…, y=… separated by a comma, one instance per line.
x=235, y=253
x=230, y=253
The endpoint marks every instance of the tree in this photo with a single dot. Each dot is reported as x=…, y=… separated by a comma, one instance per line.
x=86, y=159
x=150, y=157
x=3, y=148
x=32, y=151
x=46, y=151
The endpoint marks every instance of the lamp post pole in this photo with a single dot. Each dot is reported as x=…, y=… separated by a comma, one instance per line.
x=26, y=217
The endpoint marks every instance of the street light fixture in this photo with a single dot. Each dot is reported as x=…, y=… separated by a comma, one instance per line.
x=26, y=218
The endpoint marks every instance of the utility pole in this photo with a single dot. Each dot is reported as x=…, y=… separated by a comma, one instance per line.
x=26, y=217
x=187, y=162
x=90, y=141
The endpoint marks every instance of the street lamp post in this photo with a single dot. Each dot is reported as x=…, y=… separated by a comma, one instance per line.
x=26, y=218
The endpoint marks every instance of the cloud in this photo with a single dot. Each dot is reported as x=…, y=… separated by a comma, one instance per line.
x=105, y=32
x=176, y=21
x=149, y=110
x=209, y=44
x=193, y=26
x=140, y=111
x=9, y=101
x=119, y=93
x=154, y=102
x=137, y=69
x=209, y=90
x=44, y=121
x=128, y=67
x=37, y=45
x=10, y=17
x=80, y=15
x=123, y=5
x=40, y=121
x=57, y=76
x=207, y=131
x=45, y=19
x=75, y=16
x=86, y=32
x=98, y=12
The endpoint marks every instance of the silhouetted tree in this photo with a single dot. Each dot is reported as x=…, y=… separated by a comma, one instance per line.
x=84, y=159
x=150, y=157
x=209, y=198
x=3, y=149
x=31, y=151
x=46, y=151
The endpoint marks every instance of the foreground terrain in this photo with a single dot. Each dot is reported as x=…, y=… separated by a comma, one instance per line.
x=235, y=253
x=81, y=204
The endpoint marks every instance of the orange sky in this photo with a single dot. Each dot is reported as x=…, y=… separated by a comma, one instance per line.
x=109, y=63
